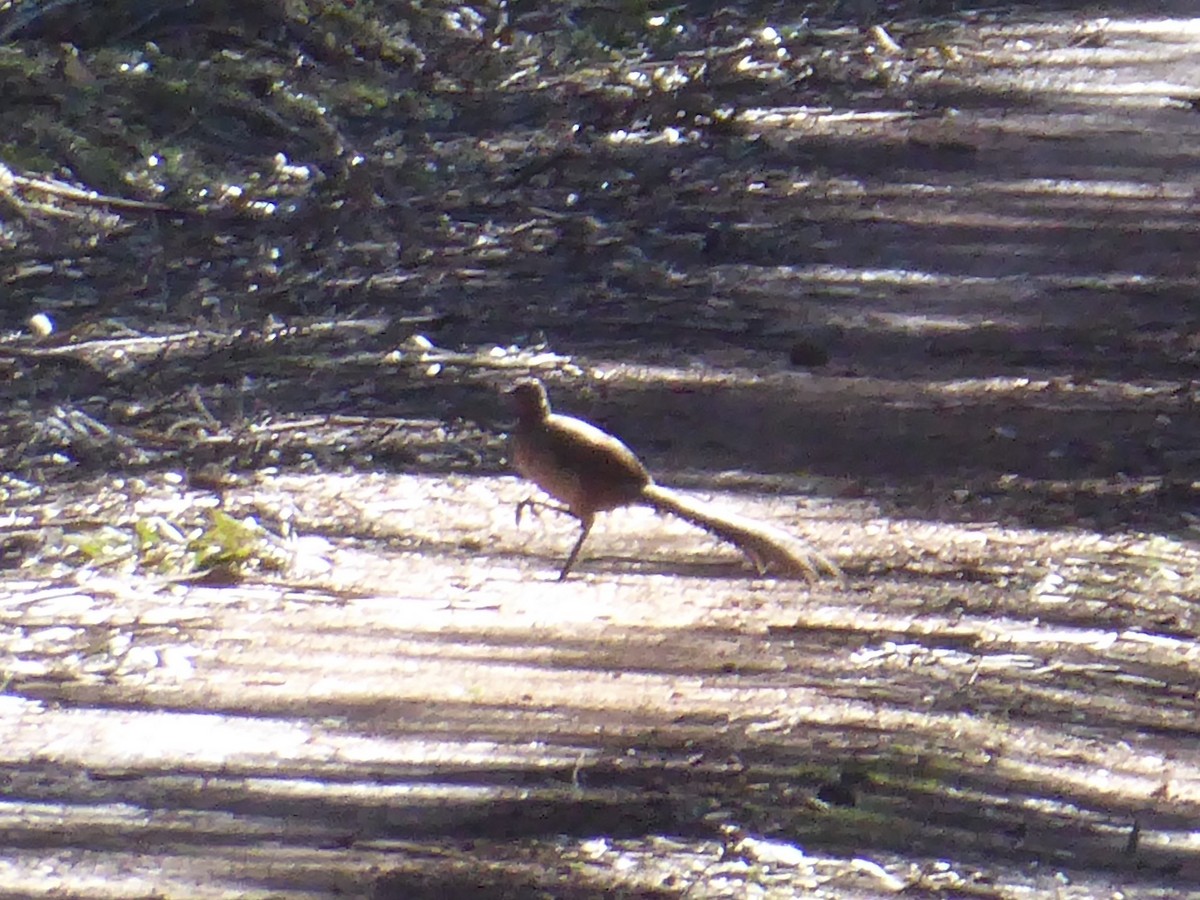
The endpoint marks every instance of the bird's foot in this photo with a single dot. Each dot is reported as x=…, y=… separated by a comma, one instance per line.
x=536, y=506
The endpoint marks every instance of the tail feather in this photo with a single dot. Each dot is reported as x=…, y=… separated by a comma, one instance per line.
x=768, y=547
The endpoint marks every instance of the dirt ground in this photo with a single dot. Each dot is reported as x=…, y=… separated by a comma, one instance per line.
x=956, y=352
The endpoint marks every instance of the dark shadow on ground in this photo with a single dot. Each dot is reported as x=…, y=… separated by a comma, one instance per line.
x=840, y=788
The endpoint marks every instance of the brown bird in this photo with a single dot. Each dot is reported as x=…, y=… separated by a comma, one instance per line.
x=589, y=471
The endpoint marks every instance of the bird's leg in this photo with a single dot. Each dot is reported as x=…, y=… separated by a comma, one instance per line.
x=585, y=526
x=535, y=506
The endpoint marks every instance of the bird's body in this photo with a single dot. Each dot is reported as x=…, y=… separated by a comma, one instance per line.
x=589, y=471
x=576, y=463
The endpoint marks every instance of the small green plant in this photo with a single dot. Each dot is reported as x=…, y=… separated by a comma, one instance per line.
x=234, y=546
x=223, y=548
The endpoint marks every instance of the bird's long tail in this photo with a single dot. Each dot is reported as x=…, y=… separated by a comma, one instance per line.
x=767, y=547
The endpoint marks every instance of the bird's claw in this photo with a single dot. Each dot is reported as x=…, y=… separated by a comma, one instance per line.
x=536, y=506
